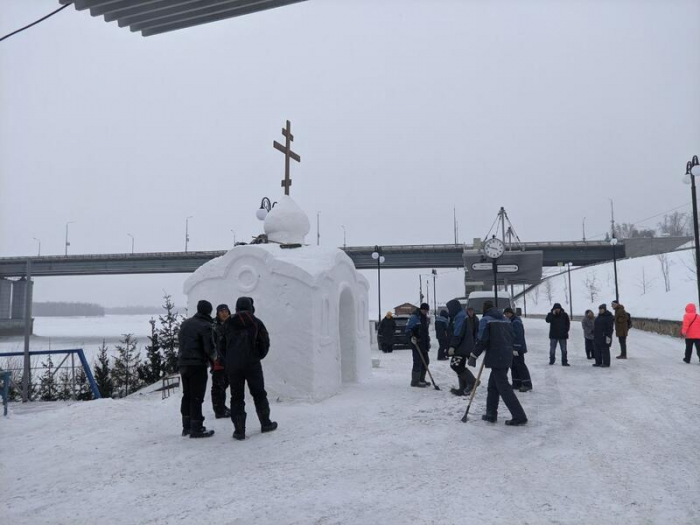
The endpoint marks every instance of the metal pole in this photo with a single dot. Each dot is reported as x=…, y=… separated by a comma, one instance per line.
x=612, y=219
x=187, y=232
x=697, y=236
x=524, y=301
x=435, y=293
x=502, y=214
x=420, y=287
x=454, y=218
x=27, y=333
x=67, y=244
x=571, y=303
x=318, y=228
x=495, y=284
x=72, y=368
x=617, y=293
x=584, y=229
x=379, y=287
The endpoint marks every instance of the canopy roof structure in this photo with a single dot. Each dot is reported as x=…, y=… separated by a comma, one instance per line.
x=153, y=17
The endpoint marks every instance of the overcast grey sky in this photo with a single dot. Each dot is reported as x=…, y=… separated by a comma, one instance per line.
x=400, y=110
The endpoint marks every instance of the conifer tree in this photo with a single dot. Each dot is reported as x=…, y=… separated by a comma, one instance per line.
x=64, y=385
x=125, y=374
x=47, y=382
x=152, y=368
x=103, y=375
x=168, y=335
x=83, y=392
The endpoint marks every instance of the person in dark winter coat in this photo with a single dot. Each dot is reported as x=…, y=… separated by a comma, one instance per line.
x=518, y=371
x=495, y=337
x=219, y=379
x=691, y=331
x=387, y=327
x=417, y=329
x=243, y=345
x=559, y=325
x=602, y=336
x=622, y=327
x=587, y=324
x=442, y=321
x=461, y=345
x=196, y=352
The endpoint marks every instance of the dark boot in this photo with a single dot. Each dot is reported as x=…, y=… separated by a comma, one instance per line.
x=525, y=388
x=198, y=430
x=186, y=426
x=265, y=424
x=491, y=418
x=415, y=380
x=422, y=380
x=239, y=427
x=461, y=390
x=222, y=413
x=516, y=422
x=622, y=355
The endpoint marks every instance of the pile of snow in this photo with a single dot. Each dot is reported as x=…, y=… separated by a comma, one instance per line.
x=644, y=290
x=602, y=447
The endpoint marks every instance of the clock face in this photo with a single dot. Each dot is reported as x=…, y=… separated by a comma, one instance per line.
x=494, y=248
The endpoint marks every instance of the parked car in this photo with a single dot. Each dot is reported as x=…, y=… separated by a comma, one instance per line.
x=401, y=340
x=476, y=300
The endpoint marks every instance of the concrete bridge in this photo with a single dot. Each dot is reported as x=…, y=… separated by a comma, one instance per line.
x=14, y=294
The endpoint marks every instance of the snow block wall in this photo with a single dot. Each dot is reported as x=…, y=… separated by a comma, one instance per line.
x=314, y=304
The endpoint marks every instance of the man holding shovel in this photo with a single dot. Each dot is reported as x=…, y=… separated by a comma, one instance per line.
x=495, y=337
x=417, y=329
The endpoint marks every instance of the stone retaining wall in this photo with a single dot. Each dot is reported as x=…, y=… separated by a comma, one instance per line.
x=657, y=326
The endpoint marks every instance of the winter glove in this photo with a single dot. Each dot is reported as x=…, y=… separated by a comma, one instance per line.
x=414, y=340
x=515, y=353
x=472, y=361
x=451, y=351
x=608, y=341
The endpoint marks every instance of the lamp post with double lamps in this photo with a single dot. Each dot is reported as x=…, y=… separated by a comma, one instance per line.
x=377, y=256
x=692, y=170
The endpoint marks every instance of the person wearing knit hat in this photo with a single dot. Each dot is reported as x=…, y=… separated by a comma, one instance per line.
x=519, y=372
x=417, y=330
x=196, y=351
x=385, y=330
x=603, y=328
x=244, y=344
x=219, y=379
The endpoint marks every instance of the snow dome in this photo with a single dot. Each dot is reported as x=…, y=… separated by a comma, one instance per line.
x=312, y=300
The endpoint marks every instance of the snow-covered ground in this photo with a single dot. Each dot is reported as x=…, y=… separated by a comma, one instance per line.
x=604, y=446
x=640, y=281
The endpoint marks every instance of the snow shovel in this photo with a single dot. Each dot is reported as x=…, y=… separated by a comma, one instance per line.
x=471, y=398
x=426, y=366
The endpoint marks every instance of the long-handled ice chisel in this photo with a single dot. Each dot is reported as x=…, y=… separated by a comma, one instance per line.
x=426, y=366
x=471, y=398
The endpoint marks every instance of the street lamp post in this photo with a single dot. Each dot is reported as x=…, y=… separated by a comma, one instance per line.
x=377, y=256
x=613, y=243
x=571, y=301
x=67, y=243
x=345, y=243
x=187, y=232
x=434, y=272
x=39, y=243
x=234, y=236
x=132, y=243
x=692, y=170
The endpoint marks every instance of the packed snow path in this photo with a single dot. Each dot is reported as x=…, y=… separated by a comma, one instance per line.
x=616, y=445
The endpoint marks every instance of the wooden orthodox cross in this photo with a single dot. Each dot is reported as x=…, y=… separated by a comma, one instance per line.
x=288, y=153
